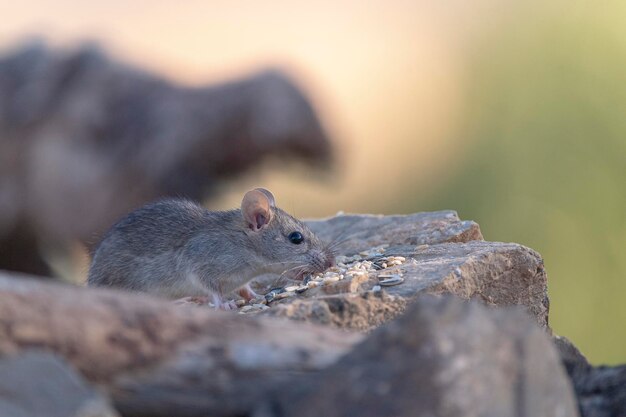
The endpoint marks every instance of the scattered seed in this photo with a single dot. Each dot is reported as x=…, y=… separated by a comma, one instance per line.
x=388, y=275
x=329, y=280
x=284, y=295
x=391, y=281
x=348, y=267
x=378, y=263
x=273, y=293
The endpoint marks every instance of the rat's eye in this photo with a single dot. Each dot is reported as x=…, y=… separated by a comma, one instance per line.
x=296, y=238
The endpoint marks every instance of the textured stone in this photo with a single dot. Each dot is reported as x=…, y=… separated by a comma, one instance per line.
x=160, y=360
x=361, y=312
x=37, y=384
x=360, y=232
x=156, y=358
x=600, y=390
x=497, y=274
x=343, y=286
x=446, y=358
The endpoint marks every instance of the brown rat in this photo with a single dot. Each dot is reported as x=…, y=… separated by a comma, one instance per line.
x=176, y=248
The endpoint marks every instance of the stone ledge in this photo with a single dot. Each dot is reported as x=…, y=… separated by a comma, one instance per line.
x=364, y=231
x=443, y=254
x=443, y=357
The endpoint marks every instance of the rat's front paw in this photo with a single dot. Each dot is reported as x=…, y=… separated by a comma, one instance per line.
x=247, y=293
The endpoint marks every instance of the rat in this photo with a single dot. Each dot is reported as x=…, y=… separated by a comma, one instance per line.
x=175, y=248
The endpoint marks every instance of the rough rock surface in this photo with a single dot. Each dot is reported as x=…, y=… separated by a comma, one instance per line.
x=498, y=274
x=37, y=384
x=361, y=312
x=359, y=232
x=601, y=390
x=85, y=139
x=444, y=357
x=156, y=358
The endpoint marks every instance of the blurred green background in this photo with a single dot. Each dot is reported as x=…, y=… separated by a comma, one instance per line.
x=547, y=165
x=511, y=114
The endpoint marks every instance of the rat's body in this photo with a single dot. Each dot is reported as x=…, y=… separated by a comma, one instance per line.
x=175, y=248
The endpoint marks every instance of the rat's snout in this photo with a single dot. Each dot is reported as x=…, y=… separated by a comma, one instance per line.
x=322, y=260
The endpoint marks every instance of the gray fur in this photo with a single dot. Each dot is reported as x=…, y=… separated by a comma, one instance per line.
x=175, y=248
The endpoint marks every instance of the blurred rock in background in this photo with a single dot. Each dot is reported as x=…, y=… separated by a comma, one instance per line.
x=84, y=139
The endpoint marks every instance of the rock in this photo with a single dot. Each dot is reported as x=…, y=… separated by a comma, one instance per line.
x=342, y=286
x=155, y=358
x=37, y=384
x=355, y=233
x=125, y=137
x=444, y=357
x=362, y=312
x=601, y=390
x=574, y=362
x=498, y=274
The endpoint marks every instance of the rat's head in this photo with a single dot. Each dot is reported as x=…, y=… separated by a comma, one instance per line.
x=281, y=241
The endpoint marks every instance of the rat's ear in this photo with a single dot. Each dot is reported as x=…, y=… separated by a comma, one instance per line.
x=256, y=208
x=269, y=196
